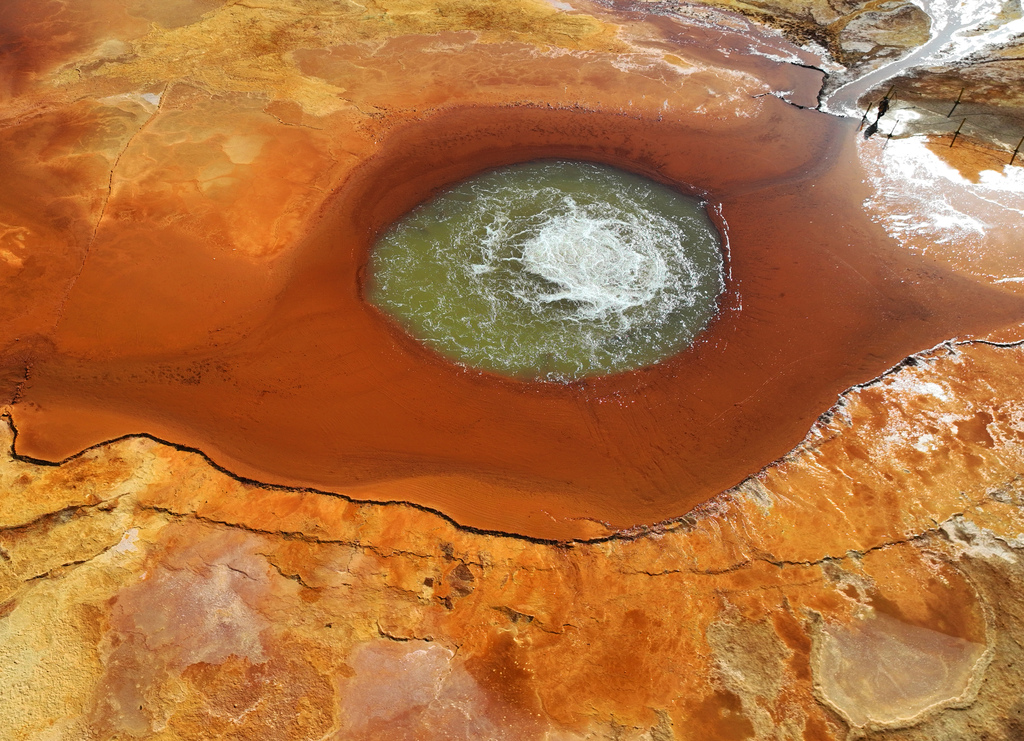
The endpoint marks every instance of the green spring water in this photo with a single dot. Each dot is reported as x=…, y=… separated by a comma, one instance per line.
x=553, y=270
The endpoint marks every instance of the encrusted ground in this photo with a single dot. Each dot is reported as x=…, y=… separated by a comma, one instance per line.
x=866, y=585
x=868, y=581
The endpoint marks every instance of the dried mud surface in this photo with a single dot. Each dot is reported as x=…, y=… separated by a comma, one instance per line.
x=236, y=502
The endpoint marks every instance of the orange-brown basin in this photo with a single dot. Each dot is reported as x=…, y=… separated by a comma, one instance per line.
x=321, y=390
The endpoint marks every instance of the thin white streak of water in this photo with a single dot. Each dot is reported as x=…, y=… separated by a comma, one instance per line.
x=956, y=34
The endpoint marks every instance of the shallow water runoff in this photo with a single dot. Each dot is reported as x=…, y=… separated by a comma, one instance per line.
x=553, y=270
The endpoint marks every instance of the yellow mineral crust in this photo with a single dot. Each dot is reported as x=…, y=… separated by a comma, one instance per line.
x=242, y=47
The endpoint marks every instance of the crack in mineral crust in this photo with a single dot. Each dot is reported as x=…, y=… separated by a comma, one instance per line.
x=812, y=439
x=106, y=199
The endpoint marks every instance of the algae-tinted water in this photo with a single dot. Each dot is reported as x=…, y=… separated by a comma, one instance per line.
x=553, y=269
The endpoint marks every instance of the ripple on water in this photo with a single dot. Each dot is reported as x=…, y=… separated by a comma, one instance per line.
x=553, y=269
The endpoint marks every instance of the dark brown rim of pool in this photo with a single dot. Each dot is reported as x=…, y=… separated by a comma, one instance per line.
x=321, y=391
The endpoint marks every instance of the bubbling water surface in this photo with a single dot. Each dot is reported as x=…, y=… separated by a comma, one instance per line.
x=555, y=270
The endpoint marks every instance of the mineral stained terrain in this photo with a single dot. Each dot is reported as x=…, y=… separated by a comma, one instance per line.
x=236, y=502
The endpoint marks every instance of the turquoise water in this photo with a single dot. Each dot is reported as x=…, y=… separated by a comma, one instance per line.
x=552, y=270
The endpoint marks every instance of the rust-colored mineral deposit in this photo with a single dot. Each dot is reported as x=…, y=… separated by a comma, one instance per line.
x=238, y=502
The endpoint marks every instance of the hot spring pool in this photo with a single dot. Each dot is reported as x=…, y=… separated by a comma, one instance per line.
x=552, y=270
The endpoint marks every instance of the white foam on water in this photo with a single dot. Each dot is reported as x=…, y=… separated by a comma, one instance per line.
x=928, y=206
x=566, y=279
x=604, y=265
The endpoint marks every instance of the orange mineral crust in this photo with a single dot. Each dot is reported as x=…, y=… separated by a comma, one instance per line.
x=234, y=497
x=168, y=333
x=189, y=230
x=318, y=390
x=862, y=586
